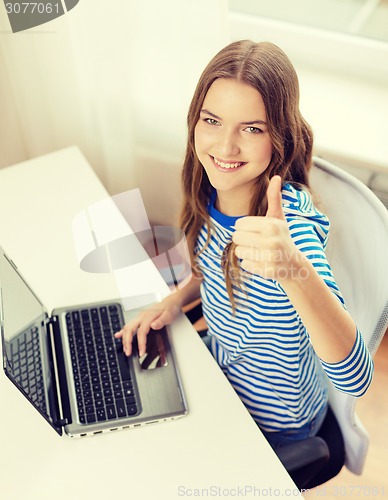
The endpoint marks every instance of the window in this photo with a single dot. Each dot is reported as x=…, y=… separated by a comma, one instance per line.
x=365, y=18
x=349, y=36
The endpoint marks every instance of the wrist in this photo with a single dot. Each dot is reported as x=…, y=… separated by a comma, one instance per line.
x=173, y=300
x=298, y=269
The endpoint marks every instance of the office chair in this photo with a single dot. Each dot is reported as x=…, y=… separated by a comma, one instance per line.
x=357, y=252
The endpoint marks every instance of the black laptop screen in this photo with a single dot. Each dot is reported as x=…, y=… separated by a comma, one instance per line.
x=27, y=355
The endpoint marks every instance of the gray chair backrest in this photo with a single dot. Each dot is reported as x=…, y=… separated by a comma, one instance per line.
x=358, y=254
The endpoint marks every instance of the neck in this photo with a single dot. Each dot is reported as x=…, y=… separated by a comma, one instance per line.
x=232, y=204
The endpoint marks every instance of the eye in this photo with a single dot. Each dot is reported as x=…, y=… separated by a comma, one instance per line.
x=254, y=130
x=211, y=121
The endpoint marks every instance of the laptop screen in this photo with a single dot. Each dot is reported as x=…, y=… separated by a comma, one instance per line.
x=26, y=343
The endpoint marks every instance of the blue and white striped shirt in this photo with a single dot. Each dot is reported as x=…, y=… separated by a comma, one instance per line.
x=264, y=349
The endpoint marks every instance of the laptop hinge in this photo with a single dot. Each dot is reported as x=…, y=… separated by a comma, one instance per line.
x=59, y=371
x=63, y=421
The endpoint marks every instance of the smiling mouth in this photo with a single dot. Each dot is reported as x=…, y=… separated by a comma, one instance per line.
x=222, y=165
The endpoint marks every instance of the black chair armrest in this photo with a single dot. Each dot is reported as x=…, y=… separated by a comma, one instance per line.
x=195, y=313
x=301, y=453
x=304, y=459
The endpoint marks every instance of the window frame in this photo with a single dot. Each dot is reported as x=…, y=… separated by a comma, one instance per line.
x=315, y=47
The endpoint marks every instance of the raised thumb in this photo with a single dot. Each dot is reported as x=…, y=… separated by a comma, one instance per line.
x=274, y=198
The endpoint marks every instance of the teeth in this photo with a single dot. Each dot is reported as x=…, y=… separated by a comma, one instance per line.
x=226, y=165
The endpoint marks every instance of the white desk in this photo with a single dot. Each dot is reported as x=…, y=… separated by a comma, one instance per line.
x=217, y=446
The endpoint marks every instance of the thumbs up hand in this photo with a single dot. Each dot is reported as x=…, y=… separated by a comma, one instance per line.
x=264, y=243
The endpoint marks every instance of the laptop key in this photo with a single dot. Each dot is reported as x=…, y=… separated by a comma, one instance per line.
x=86, y=385
x=111, y=412
x=101, y=415
x=123, y=364
x=130, y=401
x=131, y=410
x=98, y=395
x=121, y=408
x=128, y=393
x=91, y=418
x=76, y=317
x=104, y=315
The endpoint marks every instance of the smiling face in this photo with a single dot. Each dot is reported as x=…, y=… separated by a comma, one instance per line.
x=232, y=142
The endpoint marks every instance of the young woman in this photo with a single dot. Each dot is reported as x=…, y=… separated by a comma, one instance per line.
x=276, y=319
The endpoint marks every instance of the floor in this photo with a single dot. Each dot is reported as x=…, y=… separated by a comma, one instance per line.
x=372, y=410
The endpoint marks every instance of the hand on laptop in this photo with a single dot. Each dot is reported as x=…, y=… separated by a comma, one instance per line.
x=155, y=317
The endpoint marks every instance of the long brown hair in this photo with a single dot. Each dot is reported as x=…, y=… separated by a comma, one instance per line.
x=266, y=68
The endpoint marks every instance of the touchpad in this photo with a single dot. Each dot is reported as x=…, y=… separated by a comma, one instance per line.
x=156, y=352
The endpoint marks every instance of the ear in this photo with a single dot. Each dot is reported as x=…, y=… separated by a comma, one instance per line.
x=274, y=198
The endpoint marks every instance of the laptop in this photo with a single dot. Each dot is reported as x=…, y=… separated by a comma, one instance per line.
x=72, y=369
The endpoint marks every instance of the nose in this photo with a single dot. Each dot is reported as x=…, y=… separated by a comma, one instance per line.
x=227, y=145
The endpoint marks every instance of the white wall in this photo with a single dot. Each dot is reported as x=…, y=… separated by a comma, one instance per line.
x=116, y=79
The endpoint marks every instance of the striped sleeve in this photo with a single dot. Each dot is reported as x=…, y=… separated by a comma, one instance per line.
x=310, y=236
x=354, y=374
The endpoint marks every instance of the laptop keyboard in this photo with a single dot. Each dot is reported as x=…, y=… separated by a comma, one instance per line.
x=103, y=381
x=27, y=365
